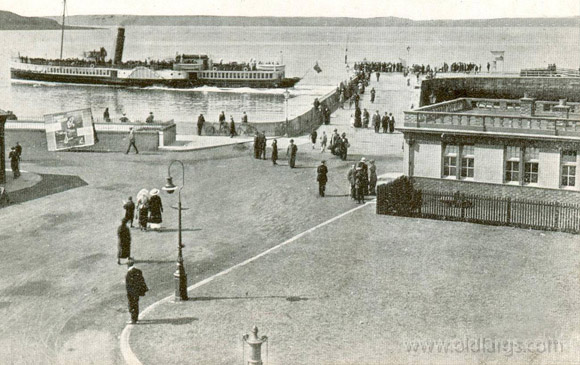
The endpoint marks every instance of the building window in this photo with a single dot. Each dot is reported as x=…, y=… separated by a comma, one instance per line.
x=512, y=167
x=531, y=162
x=467, y=161
x=569, y=161
x=450, y=160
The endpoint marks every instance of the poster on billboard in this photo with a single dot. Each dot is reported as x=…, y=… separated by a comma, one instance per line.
x=69, y=129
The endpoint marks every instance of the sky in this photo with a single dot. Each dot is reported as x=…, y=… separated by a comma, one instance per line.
x=412, y=9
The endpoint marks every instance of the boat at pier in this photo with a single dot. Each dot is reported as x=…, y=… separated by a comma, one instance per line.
x=184, y=71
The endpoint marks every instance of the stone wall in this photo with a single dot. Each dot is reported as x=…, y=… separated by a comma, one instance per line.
x=109, y=140
x=540, y=88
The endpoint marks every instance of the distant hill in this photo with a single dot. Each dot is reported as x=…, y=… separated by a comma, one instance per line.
x=137, y=20
x=11, y=21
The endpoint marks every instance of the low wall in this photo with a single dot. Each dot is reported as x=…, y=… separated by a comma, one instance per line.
x=300, y=125
x=540, y=88
x=112, y=137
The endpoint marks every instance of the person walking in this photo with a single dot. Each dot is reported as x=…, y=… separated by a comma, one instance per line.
x=377, y=121
x=263, y=145
x=124, y=245
x=351, y=181
x=257, y=145
x=378, y=76
x=344, y=145
x=323, y=142
x=155, y=210
x=132, y=141
x=385, y=123
x=313, y=138
x=391, y=123
x=373, y=92
x=129, y=207
x=365, y=175
x=291, y=153
x=143, y=208
x=232, y=127
x=359, y=183
x=372, y=177
x=106, y=116
x=321, y=177
x=18, y=149
x=136, y=288
x=14, y=162
x=366, y=118
x=200, y=122
x=274, y=152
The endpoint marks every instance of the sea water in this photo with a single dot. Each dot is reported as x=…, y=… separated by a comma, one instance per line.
x=300, y=48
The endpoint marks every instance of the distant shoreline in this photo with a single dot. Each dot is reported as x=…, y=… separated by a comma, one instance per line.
x=217, y=21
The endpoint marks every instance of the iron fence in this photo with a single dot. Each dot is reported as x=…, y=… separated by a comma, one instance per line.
x=489, y=210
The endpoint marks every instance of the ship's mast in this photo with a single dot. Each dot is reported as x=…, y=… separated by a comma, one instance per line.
x=62, y=32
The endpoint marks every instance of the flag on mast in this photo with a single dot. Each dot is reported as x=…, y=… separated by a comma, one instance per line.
x=317, y=68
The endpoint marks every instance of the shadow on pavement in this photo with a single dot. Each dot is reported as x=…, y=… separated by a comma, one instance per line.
x=50, y=184
x=173, y=321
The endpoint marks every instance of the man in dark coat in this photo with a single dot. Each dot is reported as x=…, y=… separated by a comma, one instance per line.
x=124, y=246
x=291, y=153
x=385, y=122
x=334, y=142
x=244, y=118
x=14, y=162
x=321, y=177
x=200, y=122
x=313, y=138
x=18, y=149
x=377, y=121
x=257, y=145
x=359, y=183
x=263, y=144
x=391, y=123
x=357, y=117
x=373, y=92
x=344, y=145
x=274, y=152
x=365, y=175
x=366, y=118
x=136, y=287
x=232, y=127
x=129, y=207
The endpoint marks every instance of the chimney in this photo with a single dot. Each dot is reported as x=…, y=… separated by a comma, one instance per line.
x=527, y=106
x=562, y=110
x=119, y=44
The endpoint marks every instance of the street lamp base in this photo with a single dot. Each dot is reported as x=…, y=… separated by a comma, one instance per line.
x=180, y=279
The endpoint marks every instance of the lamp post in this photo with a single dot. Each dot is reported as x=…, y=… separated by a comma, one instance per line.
x=180, y=276
x=286, y=97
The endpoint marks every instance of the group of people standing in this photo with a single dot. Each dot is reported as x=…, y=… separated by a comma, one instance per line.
x=386, y=122
x=15, y=155
x=260, y=144
x=230, y=128
x=362, y=178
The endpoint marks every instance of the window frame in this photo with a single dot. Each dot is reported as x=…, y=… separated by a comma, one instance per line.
x=569, y=165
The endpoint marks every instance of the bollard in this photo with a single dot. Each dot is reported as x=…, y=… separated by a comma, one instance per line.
x=255, y=345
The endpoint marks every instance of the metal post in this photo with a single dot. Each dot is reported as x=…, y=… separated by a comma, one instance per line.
x=180, y=276
x=62, y=32
x=255, y=343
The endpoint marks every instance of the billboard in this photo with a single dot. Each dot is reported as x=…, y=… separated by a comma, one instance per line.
x=69, y=129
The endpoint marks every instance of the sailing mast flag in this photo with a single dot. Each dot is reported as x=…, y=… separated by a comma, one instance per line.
x=317, y=68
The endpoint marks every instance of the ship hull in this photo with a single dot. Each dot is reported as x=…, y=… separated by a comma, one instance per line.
x=26, y=75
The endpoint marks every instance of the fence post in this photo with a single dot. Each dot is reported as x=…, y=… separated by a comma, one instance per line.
x=509, y=211
x=557, y=215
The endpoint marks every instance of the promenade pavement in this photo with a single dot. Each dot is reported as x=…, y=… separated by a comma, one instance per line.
x=358, y=288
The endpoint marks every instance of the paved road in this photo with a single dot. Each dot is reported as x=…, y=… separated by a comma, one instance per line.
x=62, y=296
